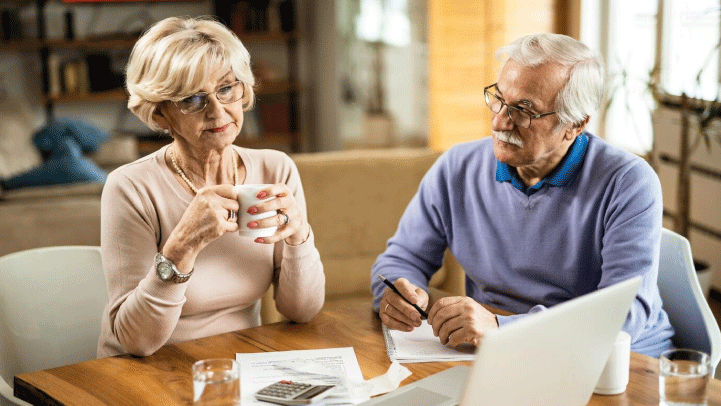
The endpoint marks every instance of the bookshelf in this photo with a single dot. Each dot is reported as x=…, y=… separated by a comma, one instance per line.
x=270, y=26
x=57, y=56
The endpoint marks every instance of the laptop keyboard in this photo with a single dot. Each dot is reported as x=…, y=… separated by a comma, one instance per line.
x=415, y=397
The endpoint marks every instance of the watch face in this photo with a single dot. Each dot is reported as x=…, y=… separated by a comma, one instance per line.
x=165, y=271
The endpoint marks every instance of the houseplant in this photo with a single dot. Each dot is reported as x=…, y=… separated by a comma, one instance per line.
x=700, y=124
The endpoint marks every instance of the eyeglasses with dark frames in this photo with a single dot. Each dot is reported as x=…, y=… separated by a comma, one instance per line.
x=518, y=116
x=196, y=103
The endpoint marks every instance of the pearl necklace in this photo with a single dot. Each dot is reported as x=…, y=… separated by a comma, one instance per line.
x=190, y=184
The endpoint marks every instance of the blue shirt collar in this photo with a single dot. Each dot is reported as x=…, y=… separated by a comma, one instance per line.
x=562, y=175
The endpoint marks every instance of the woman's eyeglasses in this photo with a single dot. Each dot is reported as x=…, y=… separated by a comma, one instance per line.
x=196, y=103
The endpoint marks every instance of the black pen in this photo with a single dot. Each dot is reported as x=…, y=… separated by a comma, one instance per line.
x=390, y=285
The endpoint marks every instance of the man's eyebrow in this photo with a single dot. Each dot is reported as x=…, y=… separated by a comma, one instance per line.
x=525, y=102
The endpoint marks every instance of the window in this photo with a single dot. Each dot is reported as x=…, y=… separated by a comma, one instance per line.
x=625, y=33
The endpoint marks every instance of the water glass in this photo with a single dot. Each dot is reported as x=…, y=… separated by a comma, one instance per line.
x=216, y=382
x=683, y=378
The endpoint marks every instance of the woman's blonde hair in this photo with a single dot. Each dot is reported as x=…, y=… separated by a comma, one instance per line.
x=175, y=57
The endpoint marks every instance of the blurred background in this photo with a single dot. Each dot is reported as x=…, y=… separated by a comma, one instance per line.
x=376, y=74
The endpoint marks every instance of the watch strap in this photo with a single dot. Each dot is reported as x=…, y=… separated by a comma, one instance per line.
x=177, y=277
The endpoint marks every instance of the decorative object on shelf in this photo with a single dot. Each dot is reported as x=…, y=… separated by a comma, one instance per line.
x=249, y=16
x=55, y=86
x=286, y=11
x=12, y=28
x=100, y=73
x=69, y=25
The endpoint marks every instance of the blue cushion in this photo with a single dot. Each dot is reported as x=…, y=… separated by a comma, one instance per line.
x=49, y=138
x=66, y=164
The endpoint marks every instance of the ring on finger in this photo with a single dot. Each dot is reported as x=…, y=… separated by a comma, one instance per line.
x=385, y=309
x=287, y=219
x=231, y=215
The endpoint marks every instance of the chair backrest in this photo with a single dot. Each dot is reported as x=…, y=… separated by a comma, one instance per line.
x=51, y=302
x=683, y=300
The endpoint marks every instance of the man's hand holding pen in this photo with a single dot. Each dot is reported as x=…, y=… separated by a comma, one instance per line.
x=455, y=320
x=398, y=313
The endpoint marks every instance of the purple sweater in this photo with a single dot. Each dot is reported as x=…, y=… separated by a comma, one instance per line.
x=523, y=253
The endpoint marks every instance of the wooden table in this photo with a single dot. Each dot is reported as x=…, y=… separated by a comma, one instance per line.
x=164, y=378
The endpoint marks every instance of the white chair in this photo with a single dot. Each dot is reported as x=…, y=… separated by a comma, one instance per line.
x=683, y=300
x=51, y=302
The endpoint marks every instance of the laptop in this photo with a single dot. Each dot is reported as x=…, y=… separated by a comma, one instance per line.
x=549, y=358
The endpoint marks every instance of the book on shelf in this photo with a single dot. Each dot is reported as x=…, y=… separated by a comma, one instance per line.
x=262, y=16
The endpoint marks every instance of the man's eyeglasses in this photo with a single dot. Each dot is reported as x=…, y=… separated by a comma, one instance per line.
x=196, y=103
x=519, y=116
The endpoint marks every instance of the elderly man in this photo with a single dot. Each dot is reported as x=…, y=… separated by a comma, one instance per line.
x=537, y=214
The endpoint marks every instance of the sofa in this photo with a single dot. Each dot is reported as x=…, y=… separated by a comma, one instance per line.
x=355, y=199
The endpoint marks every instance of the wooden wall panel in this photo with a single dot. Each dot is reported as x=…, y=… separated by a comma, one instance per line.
x=463, y=37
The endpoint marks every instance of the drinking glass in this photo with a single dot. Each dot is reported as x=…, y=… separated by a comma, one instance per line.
x=683, y=377
x=216, y=382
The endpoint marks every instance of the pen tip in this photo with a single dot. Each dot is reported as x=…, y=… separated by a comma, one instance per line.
x=382, y=278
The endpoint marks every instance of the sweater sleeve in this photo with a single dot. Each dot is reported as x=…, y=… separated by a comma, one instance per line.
x=631, y=246
x=299, y=281
x=416, y=250
x=143, y=310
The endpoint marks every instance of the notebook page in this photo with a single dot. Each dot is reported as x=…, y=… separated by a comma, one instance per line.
x=420, y=345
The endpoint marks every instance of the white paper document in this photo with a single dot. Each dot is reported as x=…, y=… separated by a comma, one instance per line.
x=331, y=366
x=420, y=345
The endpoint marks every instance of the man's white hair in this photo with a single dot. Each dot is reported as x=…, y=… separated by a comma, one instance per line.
x=581, y=96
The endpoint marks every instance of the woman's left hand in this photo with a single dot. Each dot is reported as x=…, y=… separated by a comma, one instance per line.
x=292, y=224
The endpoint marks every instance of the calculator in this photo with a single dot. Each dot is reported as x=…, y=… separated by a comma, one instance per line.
x=292, y=393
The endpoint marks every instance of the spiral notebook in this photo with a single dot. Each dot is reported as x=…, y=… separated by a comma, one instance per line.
x=420, y=345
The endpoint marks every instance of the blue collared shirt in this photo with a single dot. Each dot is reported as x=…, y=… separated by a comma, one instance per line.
x=562, y=175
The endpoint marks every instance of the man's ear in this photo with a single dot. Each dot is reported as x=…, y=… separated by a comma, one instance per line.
x=577, y=128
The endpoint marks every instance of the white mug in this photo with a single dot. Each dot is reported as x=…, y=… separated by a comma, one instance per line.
x=614, y=377
x=246, y=199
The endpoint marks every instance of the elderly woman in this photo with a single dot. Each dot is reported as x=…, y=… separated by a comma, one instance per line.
x=176, y=267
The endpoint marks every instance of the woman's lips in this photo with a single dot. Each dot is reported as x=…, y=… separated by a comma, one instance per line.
x=220, y=129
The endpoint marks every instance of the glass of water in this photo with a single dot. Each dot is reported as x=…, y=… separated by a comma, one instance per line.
x=683, y=378
x=216, y=382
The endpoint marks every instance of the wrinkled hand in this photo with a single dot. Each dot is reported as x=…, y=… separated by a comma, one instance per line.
x=460, y=319
x=205, y=219
x=296, y=231
x=396, y=313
